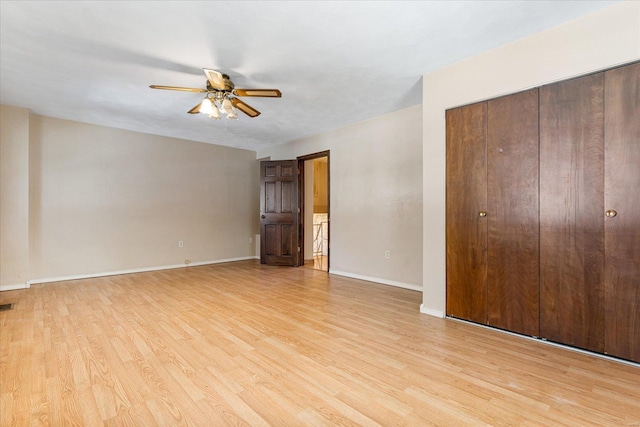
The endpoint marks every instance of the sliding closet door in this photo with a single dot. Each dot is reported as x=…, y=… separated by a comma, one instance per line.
x=622, y=204
x=512, y=212
x=571, y=212
x=466, y=198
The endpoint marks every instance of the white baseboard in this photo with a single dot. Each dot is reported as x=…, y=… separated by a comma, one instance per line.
x=220, y=261
x=137, y=270
x=377, y=280
x=431, y=312
x=15, y=287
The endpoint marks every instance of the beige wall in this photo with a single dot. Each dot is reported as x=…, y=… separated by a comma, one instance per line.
x=14, y=197
x=606, y=38
x=375, y=195
x=106, y=200
x=103, y=200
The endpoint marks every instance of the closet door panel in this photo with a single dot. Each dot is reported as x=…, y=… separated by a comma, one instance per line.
x=622, y=194
x=571, y=208
x=466, y=196
x=512, y=212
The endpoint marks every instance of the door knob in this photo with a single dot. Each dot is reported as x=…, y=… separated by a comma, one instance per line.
x=263, y=216
x=483, y=214
x=611, y=213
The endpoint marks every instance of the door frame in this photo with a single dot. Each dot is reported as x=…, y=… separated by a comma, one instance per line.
x=301, y=204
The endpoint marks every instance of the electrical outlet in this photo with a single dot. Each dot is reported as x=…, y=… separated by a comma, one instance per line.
x=250, y=240
x=387, y=254
x=180, y=244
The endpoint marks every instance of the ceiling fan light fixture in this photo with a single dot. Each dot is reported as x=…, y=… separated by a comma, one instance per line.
x=225, y=106
x=215, y=114
x=207, y=107
x=233, y=114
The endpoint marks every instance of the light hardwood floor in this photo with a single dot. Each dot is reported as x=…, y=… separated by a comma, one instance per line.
x=245, y=344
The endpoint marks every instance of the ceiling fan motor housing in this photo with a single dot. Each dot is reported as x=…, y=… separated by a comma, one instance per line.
x=228, y=84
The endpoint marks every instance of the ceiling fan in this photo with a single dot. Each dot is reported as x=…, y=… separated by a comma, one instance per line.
x=221, y=96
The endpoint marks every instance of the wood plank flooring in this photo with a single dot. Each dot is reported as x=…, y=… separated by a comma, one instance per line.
x=245, y=344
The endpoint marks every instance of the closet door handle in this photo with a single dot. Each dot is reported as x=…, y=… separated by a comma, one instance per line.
x=483, y=214
x=611, y=213
x=263, y=216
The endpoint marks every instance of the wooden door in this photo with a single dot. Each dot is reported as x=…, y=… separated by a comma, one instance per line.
x=512, y=213
x=622, y=194
x=279, y=213
x=571, y=207
x=466, y=197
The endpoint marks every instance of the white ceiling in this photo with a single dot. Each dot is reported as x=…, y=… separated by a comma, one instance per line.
x=336, y=62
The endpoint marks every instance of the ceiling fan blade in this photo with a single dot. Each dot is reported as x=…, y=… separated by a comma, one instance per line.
x=267, y=93
x=196, y=109
x=215, y=78
x=245, y=108
x=184, y=89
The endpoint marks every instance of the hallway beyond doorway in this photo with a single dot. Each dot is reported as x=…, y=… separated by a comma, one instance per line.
x=315, y=207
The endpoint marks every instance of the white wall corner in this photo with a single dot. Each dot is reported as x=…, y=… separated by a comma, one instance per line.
x=431, y=312
x=257, y=243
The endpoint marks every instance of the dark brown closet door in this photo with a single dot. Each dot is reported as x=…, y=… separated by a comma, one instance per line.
x=466, y=198
x=622, y=195
x=571, y=209
x=512, y=212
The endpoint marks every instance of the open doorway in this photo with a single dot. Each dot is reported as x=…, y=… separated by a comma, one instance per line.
x=315, y=210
